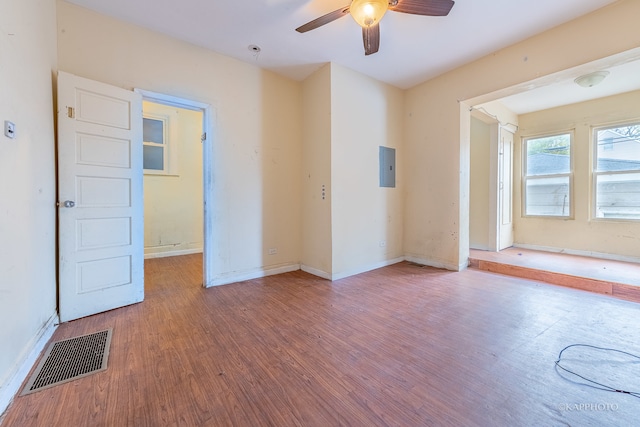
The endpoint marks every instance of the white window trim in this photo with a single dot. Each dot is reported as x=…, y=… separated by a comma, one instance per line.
x=594, y=172
x=166, y=145
x=570, y=174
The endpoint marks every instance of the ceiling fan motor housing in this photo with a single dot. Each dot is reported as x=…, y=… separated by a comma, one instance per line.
x=368, y=12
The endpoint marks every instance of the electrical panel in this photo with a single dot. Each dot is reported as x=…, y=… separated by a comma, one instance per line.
x=387, y=167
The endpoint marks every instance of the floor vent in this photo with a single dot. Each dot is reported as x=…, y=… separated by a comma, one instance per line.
x=70, y=359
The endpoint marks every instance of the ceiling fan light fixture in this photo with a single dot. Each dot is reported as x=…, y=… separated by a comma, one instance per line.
x=368, y=12
x=591, y=79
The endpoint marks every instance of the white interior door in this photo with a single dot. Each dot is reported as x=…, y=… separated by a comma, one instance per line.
x=505, y=195
x=100, y=210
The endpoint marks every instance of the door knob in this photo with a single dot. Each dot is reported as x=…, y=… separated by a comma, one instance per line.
x=69, y=203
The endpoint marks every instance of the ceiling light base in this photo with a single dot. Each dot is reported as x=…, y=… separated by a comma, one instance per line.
x=591, y=79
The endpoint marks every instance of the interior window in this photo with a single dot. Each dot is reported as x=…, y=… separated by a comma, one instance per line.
x=548, y=175
x=154, y=137
x=617, y=172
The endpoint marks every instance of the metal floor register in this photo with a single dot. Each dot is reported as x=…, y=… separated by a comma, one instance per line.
x=70, y=359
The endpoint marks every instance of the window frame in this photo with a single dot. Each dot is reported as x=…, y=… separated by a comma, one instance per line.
x=525, y=177
x=595, y=173
x=166, y=145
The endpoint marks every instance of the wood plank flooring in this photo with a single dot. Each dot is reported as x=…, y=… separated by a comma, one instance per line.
x=399, y=346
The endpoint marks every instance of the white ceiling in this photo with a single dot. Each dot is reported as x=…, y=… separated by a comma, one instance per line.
x=412, y=48
x=624, y=76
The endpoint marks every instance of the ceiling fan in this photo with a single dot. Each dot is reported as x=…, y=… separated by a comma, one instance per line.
x=367, y=13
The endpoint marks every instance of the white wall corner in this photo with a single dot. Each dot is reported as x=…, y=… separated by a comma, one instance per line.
x=22, y=369
x=241, y=276
x=364, y=269
x=315, y=272
x=436, y=263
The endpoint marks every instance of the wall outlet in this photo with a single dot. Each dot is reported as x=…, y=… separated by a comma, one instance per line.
x=273, y=251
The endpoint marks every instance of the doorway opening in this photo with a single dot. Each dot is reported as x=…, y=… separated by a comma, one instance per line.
x=177, y=171
x=491, y=183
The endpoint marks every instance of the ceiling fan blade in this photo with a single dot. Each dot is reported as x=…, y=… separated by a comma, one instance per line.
x=371, y=39
x=324, y=19
x=423, y=7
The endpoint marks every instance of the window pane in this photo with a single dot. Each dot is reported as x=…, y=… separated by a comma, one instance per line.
x=618, y=149
x=549, y=155
x=548, y=196
x=152, y=131
x=618, y=196
x=153, y=157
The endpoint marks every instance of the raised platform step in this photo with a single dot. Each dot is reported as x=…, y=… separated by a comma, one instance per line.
x=615, y=278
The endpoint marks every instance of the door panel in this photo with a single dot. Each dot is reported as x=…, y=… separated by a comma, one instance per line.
x=100, y=151
x=100, y=233
x=100, y=175
x=102, y=274
x=93, y=192
x=96, y=108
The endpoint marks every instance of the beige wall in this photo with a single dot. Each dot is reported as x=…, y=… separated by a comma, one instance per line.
x=27, y=191
x=437, y=128
x=366, y=219
x=257, y=130
x=350, y=224
x=435, y=169
x=484, y=197
x=581, y=233
x=480, y=186
x=173, y=207
x=317, y=241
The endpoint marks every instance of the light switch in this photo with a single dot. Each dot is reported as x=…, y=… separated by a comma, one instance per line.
x=9, y=129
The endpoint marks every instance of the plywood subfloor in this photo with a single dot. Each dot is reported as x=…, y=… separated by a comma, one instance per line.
x=615, y=278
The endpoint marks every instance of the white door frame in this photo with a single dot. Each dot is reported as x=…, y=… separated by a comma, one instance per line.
x=493, y=224
x=207, y=167
x=494, y=192
x=505, y=231
x=496, y=130
x=495, y=215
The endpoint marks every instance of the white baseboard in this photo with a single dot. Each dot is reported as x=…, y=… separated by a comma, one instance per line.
x=480, y=247
x=315, y=272
x=436, y=263
x=240, y=276
x=374, y=266
x=172, y=253
x=23, y=367
x=342, y=275
x=601, y=255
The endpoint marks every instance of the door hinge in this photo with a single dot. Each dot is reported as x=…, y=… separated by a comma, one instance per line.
x=70, y=112
x=203, y=137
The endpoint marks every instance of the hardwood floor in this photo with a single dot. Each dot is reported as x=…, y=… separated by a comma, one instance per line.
x=400, y=346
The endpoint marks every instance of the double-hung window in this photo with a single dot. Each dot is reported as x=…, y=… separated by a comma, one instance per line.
x=155, y=144
x=548, y=175
x=616, y=172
